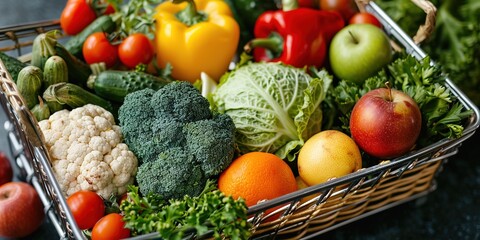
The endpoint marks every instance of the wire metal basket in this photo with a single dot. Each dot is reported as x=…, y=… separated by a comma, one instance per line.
x=304, y=214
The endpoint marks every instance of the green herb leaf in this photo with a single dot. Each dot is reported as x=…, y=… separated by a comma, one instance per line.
x=210, y=213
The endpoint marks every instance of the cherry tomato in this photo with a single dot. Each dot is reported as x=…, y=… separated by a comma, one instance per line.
x=87, y=208
x=347, y=8
x=76, y=15
x=135, y=49
x=97, y=48
x=110, y=227
x=109, y=9
x=365, y=17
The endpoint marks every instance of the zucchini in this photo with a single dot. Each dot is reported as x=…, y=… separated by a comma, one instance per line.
x=55, y=71
x=104, y=23
x=40, y=111
x=74, y=96
x=13, y=65
x=43, y=47
x=78, y=70
x=29, y=83
x=114, y=85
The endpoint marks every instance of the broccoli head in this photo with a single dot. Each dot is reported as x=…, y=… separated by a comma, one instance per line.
x=179, y=142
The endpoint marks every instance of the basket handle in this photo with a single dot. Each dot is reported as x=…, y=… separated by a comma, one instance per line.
x=425, y=30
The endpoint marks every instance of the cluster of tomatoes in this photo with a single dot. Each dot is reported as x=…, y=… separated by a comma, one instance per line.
x=89, y=211
x=130, y=51
x=133, y=50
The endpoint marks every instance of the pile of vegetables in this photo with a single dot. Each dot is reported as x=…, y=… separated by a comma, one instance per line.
x=149, y=101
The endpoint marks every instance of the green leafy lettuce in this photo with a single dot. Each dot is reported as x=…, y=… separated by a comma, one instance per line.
x=275, y=107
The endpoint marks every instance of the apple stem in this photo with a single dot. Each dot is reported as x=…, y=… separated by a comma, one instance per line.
x=390, y=97
x=353, y=36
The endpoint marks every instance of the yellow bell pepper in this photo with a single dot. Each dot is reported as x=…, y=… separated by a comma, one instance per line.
x=195, y=36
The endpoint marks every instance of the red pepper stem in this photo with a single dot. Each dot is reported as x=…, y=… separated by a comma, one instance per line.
x=189, y=15
x=273, y=43
x=288, y=5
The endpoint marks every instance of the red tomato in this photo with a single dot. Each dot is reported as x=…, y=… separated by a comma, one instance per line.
x=76, y=15
x=109, y=9
x=87, y=208
x=365, y=17
x=347, y=8
x=97, y=48
x=110, y=227
x=135, y=49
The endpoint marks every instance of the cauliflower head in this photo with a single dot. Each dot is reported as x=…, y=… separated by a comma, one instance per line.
x=87, y=151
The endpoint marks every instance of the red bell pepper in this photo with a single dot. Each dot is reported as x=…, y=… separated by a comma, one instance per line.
x=298, y=37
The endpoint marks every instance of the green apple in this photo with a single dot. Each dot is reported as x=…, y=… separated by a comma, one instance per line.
x=358, y=51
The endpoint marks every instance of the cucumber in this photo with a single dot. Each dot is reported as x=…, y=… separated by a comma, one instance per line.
x=74, y=96
x=104, y=23
x=29, y=83
x=78, y=70
x=114, y=85
x=55, y=71
x=13, y=65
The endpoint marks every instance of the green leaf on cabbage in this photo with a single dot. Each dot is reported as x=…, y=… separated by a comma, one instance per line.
x=275, y=107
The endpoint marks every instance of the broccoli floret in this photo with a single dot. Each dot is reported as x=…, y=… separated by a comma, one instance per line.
x=131, y=116
x=210, y=142
x=181, y=143
x=136, y=125
x=170, y=176
x=168, y=134
x=181, y=102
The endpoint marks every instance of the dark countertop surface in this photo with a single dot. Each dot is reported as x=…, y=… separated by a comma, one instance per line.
x=452, y=211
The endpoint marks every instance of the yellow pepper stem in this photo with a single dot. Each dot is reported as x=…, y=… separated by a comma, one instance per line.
x=189, y=15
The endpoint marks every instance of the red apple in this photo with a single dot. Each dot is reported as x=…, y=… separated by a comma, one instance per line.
x=21, y=210
x=385, y=123
x=6, y=172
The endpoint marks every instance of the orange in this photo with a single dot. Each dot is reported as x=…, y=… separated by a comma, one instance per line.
x=256, y=176
x=328, y=154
